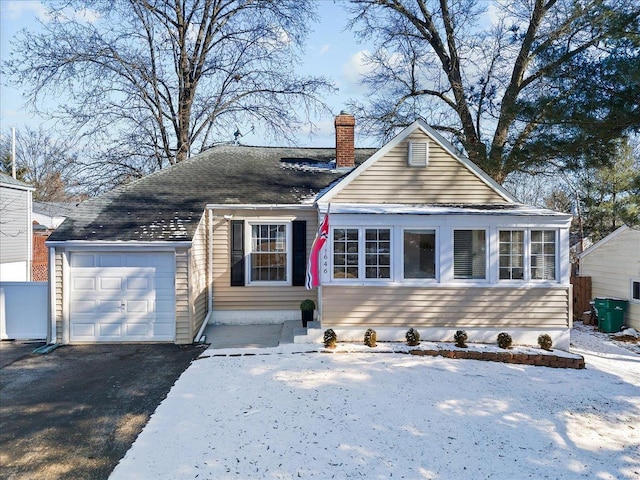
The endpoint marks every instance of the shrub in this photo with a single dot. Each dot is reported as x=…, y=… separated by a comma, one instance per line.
x=330, y=338
x=307, y=305
x=545, y=341
x=413, y=337
x=460, y=338
x=370, y=338
x=504, y=340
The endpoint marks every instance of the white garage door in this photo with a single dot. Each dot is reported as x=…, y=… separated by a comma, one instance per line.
x=122, y=297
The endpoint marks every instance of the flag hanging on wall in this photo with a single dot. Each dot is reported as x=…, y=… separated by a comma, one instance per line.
x=313, y=267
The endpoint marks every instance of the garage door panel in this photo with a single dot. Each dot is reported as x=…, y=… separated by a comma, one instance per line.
x=113, y=330
x=83, y=307
x=83, y=331
x=137, y=330
x=82, y=260
x=164, y=306
x=139, y=283
x=138, y=306
x=84, y=284
x=110, y=306
x=116, y=297
x=110, y=284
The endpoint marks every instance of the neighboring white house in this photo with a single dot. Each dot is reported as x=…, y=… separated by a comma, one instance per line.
x=51, y=214
x=15, y=230
x=614, y=267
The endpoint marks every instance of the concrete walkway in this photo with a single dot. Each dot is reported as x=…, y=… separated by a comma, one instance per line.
x=251, y=336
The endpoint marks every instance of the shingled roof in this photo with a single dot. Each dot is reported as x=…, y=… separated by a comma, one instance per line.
x=167, y=205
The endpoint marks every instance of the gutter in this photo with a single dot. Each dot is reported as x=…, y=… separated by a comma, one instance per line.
x=158, y=245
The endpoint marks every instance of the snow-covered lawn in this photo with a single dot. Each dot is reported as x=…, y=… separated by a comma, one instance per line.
x=284, y=415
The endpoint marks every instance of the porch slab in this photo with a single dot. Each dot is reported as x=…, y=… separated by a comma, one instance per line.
x=250, y=336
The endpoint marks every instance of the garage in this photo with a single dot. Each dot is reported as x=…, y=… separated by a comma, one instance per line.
x=122, y=297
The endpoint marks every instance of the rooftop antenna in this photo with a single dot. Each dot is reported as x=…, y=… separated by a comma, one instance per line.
x=237, y=135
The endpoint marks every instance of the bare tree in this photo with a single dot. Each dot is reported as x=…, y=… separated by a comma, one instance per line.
x=517, y=84
x=150, y=82
x=49, y=164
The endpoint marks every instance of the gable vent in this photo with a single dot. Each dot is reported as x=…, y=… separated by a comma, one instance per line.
x=418, y=155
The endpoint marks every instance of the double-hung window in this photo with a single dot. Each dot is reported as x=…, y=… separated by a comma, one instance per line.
x=361, y=253
x=470, y=254
x=511, y=255
x=543, y=255
x=346, y=252
x=377, y=253
x=268, y=256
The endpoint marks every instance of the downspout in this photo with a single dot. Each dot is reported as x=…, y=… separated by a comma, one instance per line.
x=52, y=296
x=205, y=322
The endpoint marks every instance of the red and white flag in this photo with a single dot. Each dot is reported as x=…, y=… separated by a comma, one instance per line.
x=313, y=267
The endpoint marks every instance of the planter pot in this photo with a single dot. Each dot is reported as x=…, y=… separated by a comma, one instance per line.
x=307, y=316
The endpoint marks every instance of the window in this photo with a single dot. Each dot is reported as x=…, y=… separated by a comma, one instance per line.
x=511, y=255
x=543, y=255
x=469, y=254
x=419, y=254
x=377, y=253
x=635, y=290
x=345, y=253
x=268, y=253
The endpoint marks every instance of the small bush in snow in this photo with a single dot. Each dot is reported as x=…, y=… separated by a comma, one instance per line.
x=545, y=342
x=504, y=340
x=413, y=337
x=460, y=338
x=330, y=338
x=370, y=338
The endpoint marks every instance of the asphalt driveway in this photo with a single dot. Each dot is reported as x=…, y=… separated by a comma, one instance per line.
x=73, y=413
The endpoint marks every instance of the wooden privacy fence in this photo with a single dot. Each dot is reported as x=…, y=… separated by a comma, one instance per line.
x=581, y=295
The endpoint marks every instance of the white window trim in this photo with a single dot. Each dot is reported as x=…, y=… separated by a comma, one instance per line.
x=250, y=222
x=400, y=263
x=444, y=255
x=631, y=299
x=362, y=255
x=556, y=249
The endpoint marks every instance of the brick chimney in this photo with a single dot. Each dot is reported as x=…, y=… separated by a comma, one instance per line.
x=345, y=151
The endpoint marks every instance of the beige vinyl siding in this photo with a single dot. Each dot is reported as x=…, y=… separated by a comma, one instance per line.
x=254, y=297
x=611, y=267
x=198, y=274
x=445, y=307
x=58, y=294
x=444, y=180
x=183, y=314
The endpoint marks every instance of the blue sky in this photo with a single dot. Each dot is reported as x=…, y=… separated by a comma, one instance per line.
x=331, y=51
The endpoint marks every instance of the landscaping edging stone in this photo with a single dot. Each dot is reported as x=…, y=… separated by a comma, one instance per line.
x=541, y=359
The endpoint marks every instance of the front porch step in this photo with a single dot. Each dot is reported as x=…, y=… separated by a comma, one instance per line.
x=311, y=334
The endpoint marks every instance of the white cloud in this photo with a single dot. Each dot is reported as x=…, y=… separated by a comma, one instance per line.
x=15, y=9
x=356, y=67
x=86, y=15
x=324, y=49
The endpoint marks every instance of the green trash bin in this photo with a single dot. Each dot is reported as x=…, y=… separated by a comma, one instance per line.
x=613, y=317
x=601, y=306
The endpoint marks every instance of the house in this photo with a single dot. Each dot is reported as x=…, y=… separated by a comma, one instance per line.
x=47, y=216
x=15, y=230
x=613, y=264
x=50, y=215
x=419, y=237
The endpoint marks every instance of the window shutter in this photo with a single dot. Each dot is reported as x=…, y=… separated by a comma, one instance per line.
x=299, y=242
x=418, y=154
x=237, y=253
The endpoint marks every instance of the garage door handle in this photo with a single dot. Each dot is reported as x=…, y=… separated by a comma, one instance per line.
x=123, y=306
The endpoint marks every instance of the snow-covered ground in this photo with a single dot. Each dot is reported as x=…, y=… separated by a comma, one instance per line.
x=284, y=415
